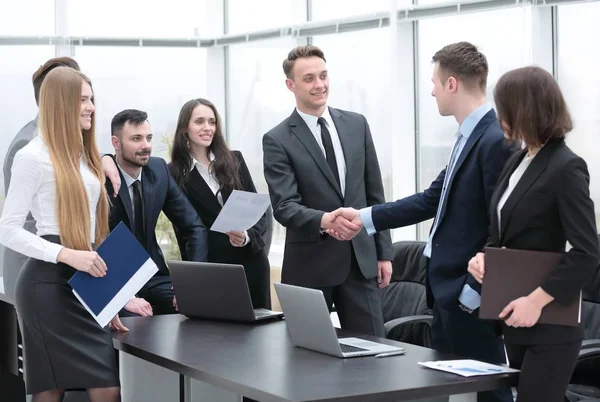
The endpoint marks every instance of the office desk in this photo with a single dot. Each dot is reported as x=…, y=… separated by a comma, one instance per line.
x=260, y=362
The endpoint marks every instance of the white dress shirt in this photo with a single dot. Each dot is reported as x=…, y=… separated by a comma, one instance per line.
x=213, y=183
x=33, y=188
x=208, y=176
x=312, y=123
x=129, y=181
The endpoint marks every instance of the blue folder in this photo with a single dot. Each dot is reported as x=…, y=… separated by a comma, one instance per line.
x=123, y=256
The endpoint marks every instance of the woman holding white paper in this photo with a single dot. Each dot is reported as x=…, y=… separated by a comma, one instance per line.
x=58, y=178
x=541, y=202
x=208, y=172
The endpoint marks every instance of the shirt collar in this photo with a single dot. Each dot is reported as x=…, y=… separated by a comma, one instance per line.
x=128, y=179
x=312, y=121
x=211, y=157
x=469, y=124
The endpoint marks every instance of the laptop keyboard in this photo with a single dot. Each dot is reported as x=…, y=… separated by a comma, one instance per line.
x=350, y=349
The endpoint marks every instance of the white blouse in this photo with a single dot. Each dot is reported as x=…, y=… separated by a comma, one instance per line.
x=33, y=188
x=512, y=183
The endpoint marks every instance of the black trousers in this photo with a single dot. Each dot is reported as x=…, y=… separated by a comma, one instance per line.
x=457, y=332
x=545, y=370
x=357, y=302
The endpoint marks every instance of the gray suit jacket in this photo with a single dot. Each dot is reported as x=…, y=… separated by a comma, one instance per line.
x=13, y=261
x=302, y=188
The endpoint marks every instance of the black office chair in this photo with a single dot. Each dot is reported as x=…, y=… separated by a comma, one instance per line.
x=585, y=382
x=405, y=313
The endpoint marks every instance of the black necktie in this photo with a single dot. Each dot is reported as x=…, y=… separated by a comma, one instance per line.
x=328, y=145
x=138, y=213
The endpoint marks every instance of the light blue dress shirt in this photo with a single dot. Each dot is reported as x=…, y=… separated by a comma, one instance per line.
x=468, y=297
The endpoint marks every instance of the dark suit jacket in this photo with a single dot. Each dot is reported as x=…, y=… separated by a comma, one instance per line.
x=464, y=219
x=302, y=188
x=160, y=193
x=252, y=256
x=549, y=206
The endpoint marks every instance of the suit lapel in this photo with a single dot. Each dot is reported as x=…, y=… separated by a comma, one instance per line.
x=533, y=171
x=471, y=141
x=202, y=191
x=501, y=186
x=305, y=136
x=125, y=198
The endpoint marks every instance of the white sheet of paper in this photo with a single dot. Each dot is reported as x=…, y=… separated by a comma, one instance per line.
x=241, y=211
x=468, y=368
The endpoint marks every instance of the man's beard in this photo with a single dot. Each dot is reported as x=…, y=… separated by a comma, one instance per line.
x=136, y=162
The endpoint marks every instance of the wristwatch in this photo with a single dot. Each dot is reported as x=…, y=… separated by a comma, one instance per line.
x=465, y=308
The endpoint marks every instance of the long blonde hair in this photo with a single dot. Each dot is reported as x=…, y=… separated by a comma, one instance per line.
x=67, y=142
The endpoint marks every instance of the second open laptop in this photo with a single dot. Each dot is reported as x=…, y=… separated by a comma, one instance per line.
x=310, y=327
x=215, y=291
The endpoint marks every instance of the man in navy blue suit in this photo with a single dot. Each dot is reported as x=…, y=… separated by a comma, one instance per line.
x=459, y=200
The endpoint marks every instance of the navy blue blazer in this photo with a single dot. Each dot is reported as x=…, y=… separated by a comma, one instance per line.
x=464, y=218
x=160, y=193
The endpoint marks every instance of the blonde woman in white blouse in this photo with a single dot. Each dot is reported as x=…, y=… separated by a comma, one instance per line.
x=58, y=177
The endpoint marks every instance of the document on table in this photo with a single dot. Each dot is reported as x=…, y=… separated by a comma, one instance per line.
x=241, y=211
x=468, y=368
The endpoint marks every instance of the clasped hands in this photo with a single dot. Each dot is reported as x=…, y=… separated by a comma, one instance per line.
x=342, y=224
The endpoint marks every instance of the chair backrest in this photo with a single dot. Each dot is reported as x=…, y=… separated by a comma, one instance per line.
x=406, y=294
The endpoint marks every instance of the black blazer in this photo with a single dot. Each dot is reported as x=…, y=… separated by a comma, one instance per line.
x=160, y=193
x=549, y=206
x=207, y=206
x=302, y=188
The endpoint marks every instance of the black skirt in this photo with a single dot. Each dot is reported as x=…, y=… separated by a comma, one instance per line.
x=63, y=346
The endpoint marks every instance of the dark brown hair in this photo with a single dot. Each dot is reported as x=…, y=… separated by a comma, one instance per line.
x=464, y=61
x=226, y=167
x=297, y=53
x=42, y=72
x=531, y=106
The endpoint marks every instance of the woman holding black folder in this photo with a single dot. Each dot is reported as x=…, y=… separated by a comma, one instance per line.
x=208, y=171
x=541, y=202
x=58, y=178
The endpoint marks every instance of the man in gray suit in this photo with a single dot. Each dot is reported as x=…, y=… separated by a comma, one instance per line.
x=316, y=160
x=13, y=261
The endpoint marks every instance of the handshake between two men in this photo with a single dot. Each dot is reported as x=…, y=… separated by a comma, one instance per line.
x=345, y=223
x=342, y=224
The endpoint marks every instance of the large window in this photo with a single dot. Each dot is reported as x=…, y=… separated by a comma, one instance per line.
x=334, y=9
x=26, y=17
x=359, y=76
x=258, y=100
x=137, y=18
x=578, y=66
x=156, y=80
x=504, y=52
x=255, y=15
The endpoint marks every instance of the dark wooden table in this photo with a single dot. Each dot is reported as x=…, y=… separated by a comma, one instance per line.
x=259, y=361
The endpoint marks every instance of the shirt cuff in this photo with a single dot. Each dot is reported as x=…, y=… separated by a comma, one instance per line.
x=367, y=219
x=469, y=298
x=247, y=239
x=52, y=252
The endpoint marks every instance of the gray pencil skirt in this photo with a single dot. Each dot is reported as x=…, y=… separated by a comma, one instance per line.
x=63, y=346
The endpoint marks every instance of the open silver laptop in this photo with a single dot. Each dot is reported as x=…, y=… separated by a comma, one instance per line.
x=310, y=326
x=215, y=291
